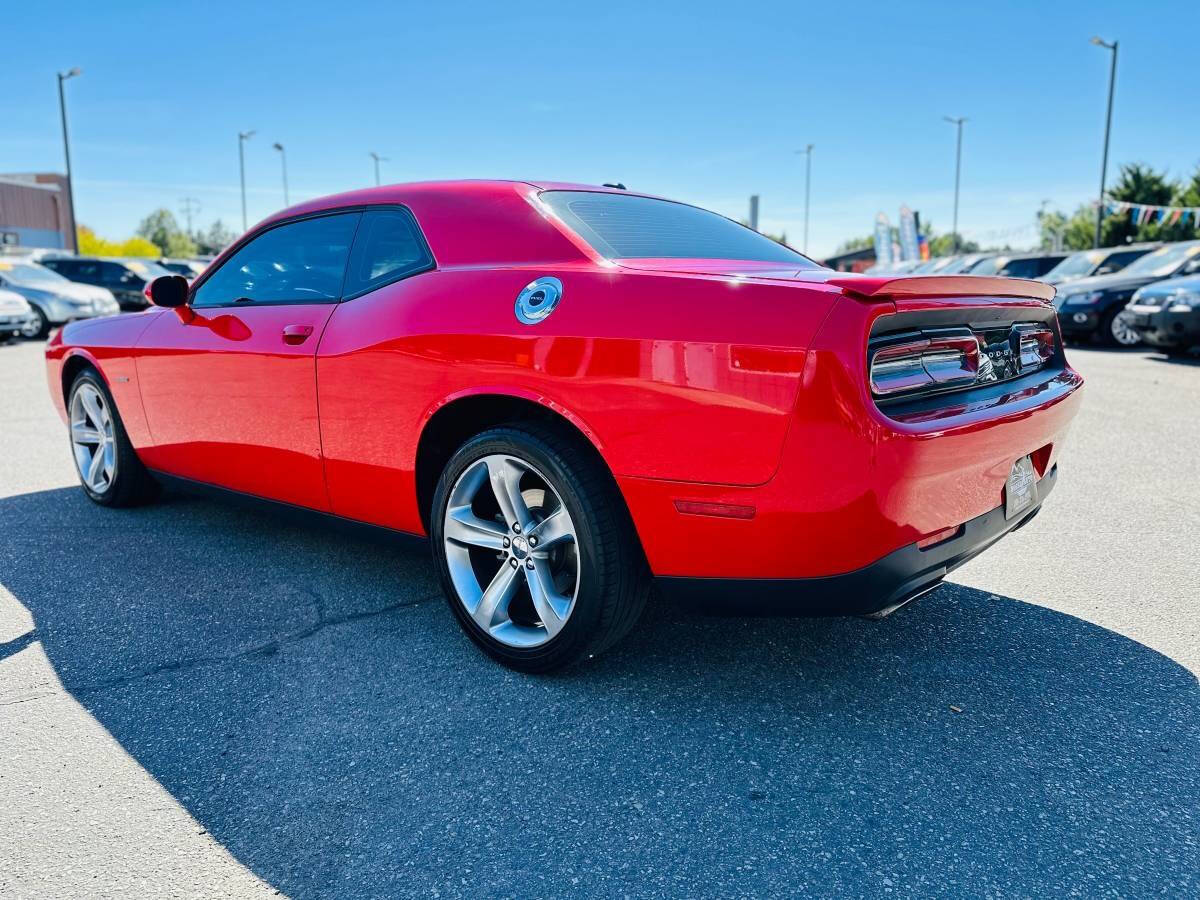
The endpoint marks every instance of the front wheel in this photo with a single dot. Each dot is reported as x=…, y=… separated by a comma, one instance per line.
x=38, y=326
x=535, y=549
x=109, y=470
x=1116, y=331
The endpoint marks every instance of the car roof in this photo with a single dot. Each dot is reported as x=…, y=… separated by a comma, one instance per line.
x=484, y=222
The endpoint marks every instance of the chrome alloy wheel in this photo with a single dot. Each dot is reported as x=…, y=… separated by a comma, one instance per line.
x=511, y=551
x=92, y=438
x=1124, y=333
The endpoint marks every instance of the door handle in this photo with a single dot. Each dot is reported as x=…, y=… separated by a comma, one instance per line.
x=296, y=334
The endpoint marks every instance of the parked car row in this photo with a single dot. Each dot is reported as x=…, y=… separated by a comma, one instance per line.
x=1095, y=287
x=53, y=299
x=1098, y=305
x=125, y=278
x=40, y=290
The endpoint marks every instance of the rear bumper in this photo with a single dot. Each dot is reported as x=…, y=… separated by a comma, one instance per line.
x=879, y=587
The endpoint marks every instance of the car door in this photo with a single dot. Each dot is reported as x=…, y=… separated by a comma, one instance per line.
x=229, y=382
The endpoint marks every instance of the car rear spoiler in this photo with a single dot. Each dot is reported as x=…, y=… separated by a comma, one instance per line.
x=881, y=287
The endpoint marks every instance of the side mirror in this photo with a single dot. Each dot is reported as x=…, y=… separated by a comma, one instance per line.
x=170, y=291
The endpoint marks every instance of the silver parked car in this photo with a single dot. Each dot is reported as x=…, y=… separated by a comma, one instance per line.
x=54, y=299
x=15, y=315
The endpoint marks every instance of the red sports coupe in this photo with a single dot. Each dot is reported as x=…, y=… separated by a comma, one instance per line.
x=575, y=392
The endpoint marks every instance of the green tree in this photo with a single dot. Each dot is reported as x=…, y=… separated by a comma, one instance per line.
x=1139, y=184
x=216, y=239
x=1076, y=232
x=855, y=243
x=91, y=244
x=161, y=229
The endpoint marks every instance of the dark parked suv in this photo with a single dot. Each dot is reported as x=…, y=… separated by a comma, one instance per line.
x=1104, y=261
x=126, y=278
x=1167, y=314
x=1094, y=306
x=1014, y=265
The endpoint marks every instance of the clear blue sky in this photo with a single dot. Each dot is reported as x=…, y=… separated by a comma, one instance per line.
x=705, y=103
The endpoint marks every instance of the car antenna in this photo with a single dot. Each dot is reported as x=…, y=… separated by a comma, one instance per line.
x=618, y=186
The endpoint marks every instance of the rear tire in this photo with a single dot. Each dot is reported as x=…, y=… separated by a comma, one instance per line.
x=109, y=470
x=536, y=607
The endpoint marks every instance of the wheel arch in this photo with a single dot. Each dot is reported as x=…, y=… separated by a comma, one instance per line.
x=449, y=424
x=75, y=362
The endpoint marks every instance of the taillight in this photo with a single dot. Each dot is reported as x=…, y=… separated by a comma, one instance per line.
x=934, y=360
x=1037, y=346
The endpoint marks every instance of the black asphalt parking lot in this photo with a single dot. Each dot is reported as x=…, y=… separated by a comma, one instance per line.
x=199, y=700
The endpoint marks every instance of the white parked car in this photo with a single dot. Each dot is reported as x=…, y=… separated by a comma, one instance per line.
x=15, y=315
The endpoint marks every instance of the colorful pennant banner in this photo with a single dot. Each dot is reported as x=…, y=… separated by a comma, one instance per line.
x=1145, y=213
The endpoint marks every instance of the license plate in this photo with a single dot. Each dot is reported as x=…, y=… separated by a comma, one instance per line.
x=1020, y=493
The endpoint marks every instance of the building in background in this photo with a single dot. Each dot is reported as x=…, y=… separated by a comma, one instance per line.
x=853, y=261
x=34, y=211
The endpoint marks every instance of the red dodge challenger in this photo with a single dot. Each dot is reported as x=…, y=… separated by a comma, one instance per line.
x=575, y=392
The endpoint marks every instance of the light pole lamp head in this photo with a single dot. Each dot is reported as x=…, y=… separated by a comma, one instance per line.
x=278, y=146
x=1100, y=42
x=246, y=135
x=70, y=73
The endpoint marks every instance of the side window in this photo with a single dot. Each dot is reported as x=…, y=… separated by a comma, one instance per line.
x=115, y=274
x=1120, y=260
x=302, y=262
x=387, y=248
x=87, y=271
x=1021, y=268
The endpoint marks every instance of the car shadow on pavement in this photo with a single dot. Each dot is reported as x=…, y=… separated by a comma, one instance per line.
x=310, y=701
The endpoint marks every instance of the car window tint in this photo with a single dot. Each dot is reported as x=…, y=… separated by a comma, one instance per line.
x=87, y=271
x=388, y=247
x=302, y=262
x=114, y=273
x=628, y=226
x=1021, y=268
x=1120, y=260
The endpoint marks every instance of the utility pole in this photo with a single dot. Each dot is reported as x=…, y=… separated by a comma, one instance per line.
x=957, y=171
x=1112, y=80
x=283, y=162
x=378, y=159
x=807, y=151
x=190, y=206
x=754, y=211
x=62, y=108
x=243, y=136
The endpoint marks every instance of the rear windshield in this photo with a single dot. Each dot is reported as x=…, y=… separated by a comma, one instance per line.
x=626, y=226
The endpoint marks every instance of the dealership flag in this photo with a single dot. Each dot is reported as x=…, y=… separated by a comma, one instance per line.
x=883, y=240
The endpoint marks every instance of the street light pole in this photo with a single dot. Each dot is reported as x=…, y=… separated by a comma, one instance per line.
x=957, y=122
x=375, y=156
x=283, y=162
x=1112, y=80
x=243, y=136
x=62, y=108
x=807, y=151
